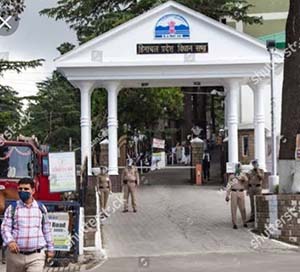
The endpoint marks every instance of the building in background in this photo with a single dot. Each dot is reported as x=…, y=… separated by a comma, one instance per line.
x=274, y=14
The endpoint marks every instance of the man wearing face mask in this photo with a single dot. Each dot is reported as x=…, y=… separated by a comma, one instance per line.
x=130, y=179
x=235, y=190
x=256, y=177
x=104, y=189
x=26, y=231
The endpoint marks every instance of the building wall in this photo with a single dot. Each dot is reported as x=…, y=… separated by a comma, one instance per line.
x=268, y=6
x=274, y=14
x=268, y=27
x=277, y=216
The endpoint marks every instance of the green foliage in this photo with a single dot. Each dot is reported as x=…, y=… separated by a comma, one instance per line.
x=65, y=47
x=10, y=107
x=18, y=66
x=10, y=104
x=11, y=7
x=99, y=110
x=92, y=18
x=143, y=108
x=55, y=112
x=219, y=112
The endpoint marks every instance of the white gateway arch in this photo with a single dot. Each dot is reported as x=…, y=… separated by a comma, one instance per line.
x=172, y=45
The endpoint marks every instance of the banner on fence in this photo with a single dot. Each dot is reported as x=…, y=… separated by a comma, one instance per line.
x=158, y=160
x=62, y=170
x=158, y=143
x=60, y=231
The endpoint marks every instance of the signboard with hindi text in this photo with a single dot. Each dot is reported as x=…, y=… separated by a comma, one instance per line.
x=62, y=170
x=60, y=231
x=158, y=143
x=172, y=48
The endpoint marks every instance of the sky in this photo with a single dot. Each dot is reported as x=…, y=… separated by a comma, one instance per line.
x=36, y=37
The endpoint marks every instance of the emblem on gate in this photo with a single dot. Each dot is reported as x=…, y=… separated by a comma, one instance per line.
x=172, y=26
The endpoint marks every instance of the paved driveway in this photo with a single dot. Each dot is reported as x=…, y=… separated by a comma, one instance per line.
x=176, y=218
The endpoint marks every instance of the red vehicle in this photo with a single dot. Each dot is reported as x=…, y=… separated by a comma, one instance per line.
x=24, y=158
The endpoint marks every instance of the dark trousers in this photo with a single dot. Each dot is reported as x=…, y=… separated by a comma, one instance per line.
x=206, y=167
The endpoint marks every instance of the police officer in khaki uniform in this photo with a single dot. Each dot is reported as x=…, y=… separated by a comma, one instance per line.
x=237, y=183
x=104, y=188
x=130, y=179
x=256, y=177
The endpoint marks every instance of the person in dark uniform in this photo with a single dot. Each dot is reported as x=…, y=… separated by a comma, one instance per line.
x=206, y=165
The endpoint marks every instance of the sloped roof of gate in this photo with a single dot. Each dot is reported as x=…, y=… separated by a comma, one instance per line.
x=118, y=47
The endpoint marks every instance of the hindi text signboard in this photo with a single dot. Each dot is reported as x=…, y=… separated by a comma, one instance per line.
x=172, y=48
x=62, y=169
x=158, y=143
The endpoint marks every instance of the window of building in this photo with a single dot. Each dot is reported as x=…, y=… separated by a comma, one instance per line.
x=245, y=145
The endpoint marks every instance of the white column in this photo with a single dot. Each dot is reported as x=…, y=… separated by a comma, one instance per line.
x=86, y=88
x=233, y=89
x=259, y=124
x=113, y=90
x=90, y=128
x=226, y=107
x=239, y=26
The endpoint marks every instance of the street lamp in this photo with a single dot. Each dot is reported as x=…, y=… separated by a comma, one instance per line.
x=274, y=178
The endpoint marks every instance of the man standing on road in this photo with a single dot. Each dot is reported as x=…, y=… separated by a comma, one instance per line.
x=206, y=165
x=130, y=179
x=104, y=189
x=26, y=231
x=256, y=177
x=235, y=191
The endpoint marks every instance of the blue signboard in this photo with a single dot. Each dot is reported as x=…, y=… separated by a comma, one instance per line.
x=172, y=26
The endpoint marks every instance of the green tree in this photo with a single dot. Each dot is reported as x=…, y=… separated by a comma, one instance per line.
x=10, y=107
x=55, y=111
x=142, y=108
x=12, y=8
x=10, y=103
x=15, y=8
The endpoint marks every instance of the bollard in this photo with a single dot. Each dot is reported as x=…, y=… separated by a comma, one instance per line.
x=198, y=170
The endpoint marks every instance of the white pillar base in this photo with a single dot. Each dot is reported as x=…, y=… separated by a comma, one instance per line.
x=273, y=182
